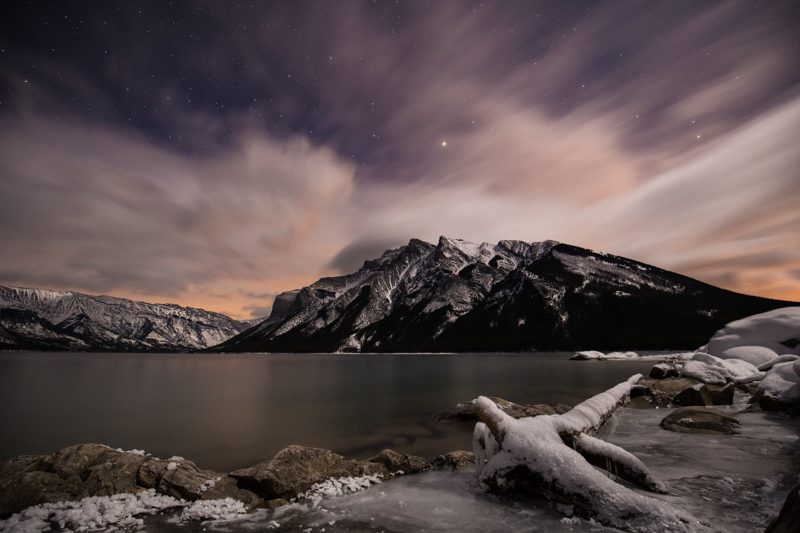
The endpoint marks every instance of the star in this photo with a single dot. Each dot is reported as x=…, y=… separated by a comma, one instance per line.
x=444, y=144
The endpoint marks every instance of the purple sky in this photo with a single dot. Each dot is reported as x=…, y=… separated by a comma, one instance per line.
x=216, y=153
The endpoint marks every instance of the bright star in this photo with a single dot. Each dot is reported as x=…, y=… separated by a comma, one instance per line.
x=444, y=144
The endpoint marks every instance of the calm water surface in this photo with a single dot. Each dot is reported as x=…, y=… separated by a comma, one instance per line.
x=231, y=411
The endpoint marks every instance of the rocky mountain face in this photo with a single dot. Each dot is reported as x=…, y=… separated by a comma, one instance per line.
x=39, y=319
x=510, y=296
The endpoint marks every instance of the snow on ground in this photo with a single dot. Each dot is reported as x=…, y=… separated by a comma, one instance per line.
x=338, y=487
x=736, y=483
x=116, y=513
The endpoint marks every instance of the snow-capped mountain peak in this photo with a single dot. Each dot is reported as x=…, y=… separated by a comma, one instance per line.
x=457, y=295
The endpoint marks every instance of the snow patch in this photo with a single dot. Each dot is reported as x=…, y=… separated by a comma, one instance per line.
x=338, y=487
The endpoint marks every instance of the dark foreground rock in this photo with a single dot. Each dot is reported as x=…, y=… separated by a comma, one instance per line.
x=454, y=460
x=662, y=391
x=700, y=420
x=86, y=470
x=296, y=468
x=664, y=370
x=468, y=412
x=702, y=394
x=788, y=520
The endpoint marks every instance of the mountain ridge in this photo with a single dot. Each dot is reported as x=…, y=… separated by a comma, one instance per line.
x=457, y=296
x=32, y=318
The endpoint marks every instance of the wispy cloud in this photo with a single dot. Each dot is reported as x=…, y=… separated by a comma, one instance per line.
x=290, y=142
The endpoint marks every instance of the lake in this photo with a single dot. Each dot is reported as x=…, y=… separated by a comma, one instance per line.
x=229, y=411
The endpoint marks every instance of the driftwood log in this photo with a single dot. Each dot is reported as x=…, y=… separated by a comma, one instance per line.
x=554, y=456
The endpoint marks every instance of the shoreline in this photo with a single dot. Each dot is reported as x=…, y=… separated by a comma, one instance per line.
x=337, y=490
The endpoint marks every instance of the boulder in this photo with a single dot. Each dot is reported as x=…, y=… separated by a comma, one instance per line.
x=789, y=517
x=755, y=355
x=664, y=390
x=69, y=474
x=25, y=481
x=777, y=330
x=296, y=468
x=454, y=460
x=400, y=462
x=780, y=388
x=86, y=470
x=694, y=395
x=702, y=394
x=468, y=412
x=721, y=395
x=663, y=370
x=785, y=358
x=700, y=420
x=183, y=479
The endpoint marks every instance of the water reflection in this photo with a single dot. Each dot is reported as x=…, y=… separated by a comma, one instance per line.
x=228, y=411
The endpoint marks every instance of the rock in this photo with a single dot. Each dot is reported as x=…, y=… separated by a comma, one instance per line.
x=789, y=517
x=24, y=481
x=694, y=395
x=394, y=462
x=663, y=370
x=226, y=486
x=69, y=474
x=454, y=460
x=275, y=503
x=185, y=480
x=296, y=468
x=700, y=420
x=86, y=470
x=702, y=394
x=468, y=412
x=780, y=388
x=588, y=355
x=785, y=358
x=721, y=395
x=664, y=390
x=755, y=355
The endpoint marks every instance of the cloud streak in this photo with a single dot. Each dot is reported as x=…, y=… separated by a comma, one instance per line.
x=250, y=150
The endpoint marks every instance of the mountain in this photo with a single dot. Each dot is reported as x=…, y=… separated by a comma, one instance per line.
x=510, y=296
x=40, y=319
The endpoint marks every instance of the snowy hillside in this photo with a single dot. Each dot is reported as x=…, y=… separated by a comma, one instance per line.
x=44, y=319
x=513, y=295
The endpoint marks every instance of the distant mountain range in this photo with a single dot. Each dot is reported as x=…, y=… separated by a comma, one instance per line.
x=458, y=296
x=39, y=319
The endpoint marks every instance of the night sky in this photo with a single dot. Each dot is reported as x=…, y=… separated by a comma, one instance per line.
x=216, y=153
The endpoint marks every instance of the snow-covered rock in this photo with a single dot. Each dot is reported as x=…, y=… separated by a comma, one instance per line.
x=780, y=359
x=781, y=385
x=755, y=355
x=778, y=330
x=716, y=371
x=588, y=355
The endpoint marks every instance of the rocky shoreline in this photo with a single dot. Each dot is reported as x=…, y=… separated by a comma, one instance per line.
x=87, y=470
